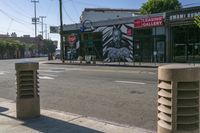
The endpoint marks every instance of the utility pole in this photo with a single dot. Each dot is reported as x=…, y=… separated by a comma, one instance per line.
x=42, y=23
x=61, y=33
x=45, y=31
x=35, y=19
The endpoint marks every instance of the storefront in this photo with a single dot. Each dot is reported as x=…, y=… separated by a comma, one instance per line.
x=109, y=41
x=149, y=39
x=163, y=37
x=184, y=35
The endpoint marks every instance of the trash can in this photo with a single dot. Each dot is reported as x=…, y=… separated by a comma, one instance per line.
x=27, y=100
x=178, y=99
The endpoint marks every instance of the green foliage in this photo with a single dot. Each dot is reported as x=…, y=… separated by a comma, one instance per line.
x=2, y=48
x=158, y=6
x=8, y=48
x=197, y=21
x=49, y=46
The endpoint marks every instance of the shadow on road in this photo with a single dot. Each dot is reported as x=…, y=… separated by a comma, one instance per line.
x=2, y=109
x=47, y=124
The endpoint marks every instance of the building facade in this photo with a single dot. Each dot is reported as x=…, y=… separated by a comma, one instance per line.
x=106, y=14
x=183, y=35
x=163, y=37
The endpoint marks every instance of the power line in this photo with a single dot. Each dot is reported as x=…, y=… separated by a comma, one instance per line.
x=86, y=3
x=22, y=22
x=68, y=15
x=11, y=20
x=15, y=9
x=75, y=8
x=13, y=30
x=19, y=7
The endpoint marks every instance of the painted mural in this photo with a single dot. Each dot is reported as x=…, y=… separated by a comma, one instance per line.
x=117, y=43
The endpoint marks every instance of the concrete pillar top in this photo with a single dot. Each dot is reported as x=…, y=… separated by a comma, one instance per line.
x=26, y=65
x=178, y=66
x=179, y=72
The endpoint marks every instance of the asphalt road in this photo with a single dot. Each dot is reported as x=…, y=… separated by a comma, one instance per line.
x=125, y=95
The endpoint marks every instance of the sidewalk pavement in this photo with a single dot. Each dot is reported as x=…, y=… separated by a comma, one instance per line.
x=117, y=64
x=52, y=121
x=100, y=63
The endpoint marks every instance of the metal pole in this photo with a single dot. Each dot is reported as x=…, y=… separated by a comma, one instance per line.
x=155, y=49
x=35, y=21
x=45, y=31
x=35, y=12
x=61, y=33
x=42, y=18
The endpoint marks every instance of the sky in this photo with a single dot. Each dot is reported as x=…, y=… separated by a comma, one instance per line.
x=15, y=15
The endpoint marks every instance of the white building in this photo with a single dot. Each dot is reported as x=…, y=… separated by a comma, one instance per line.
x=99, y=14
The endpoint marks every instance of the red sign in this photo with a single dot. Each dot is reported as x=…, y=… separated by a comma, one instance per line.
x=148, y=22
x=129, y=32
x=71, y=39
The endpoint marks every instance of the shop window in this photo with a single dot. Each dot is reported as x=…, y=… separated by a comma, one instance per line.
x=159, y=31
x=143, y=32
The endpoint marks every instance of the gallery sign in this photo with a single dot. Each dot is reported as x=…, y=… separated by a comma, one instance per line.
x=148, y=22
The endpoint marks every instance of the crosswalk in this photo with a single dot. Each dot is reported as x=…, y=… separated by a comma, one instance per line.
x=51, y=73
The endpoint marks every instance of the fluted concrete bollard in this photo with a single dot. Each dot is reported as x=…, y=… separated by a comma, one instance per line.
x=178, y=99
x=28, y=100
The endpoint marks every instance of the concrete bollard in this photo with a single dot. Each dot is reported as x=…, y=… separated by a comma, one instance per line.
x=80, y=58
x=94, y=59
x=28, y=100
x=178, y=99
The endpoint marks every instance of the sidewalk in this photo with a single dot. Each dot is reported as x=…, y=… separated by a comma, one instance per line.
x=116, y=64
x=52, y=121
x=100, y=63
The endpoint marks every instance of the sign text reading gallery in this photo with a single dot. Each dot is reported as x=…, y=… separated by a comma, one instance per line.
x=148, y=22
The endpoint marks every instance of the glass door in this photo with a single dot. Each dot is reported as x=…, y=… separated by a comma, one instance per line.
x=160, y=47
x=180, y=52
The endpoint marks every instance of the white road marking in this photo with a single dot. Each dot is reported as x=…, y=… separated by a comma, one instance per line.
x=50, y=71
x=45, y=77
x=51, y=75
x=130, y=82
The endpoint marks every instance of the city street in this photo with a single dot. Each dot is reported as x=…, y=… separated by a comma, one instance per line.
x=125, y=95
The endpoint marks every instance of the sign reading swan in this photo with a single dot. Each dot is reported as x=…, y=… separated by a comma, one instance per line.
x=148, y=22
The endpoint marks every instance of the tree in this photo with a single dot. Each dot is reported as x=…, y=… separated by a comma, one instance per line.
x=197, y=21
x=157, y=6
x=32, y=48
x=50, y=48
x=2, y=48
x=10, y=49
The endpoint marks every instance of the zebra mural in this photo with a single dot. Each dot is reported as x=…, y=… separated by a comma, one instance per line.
x=117, y=43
